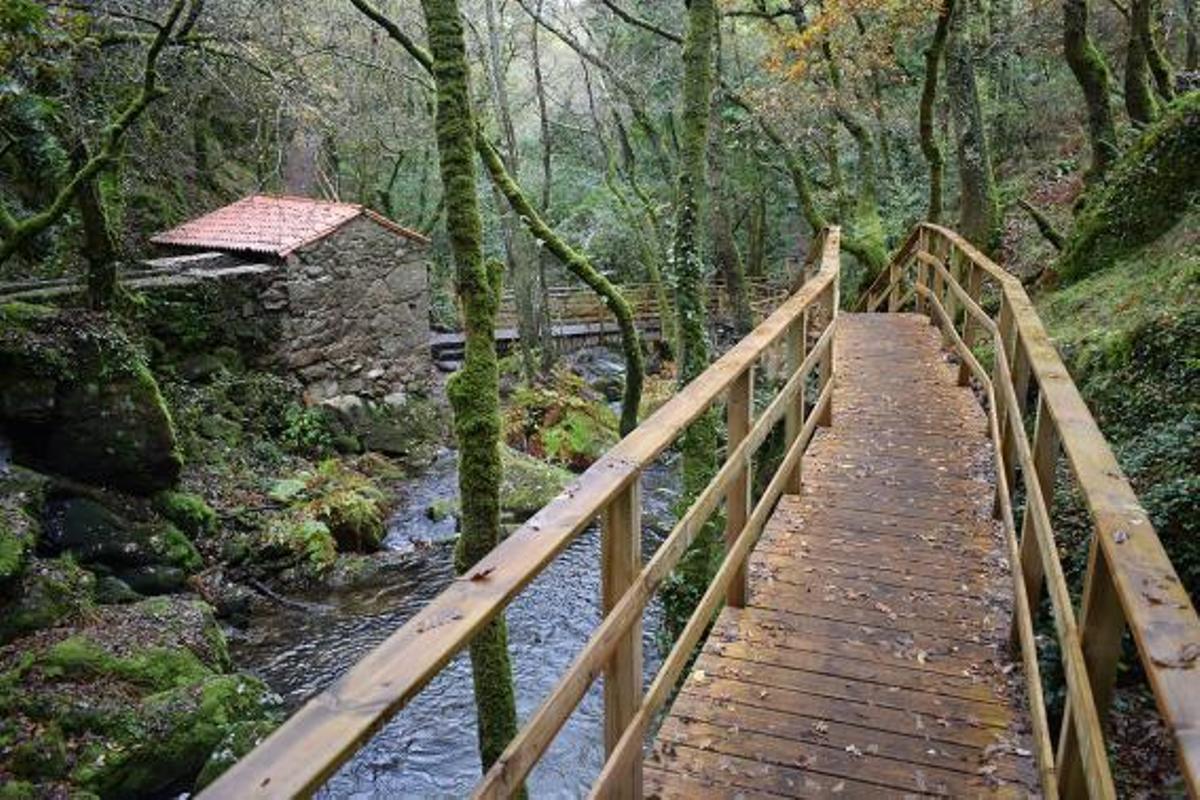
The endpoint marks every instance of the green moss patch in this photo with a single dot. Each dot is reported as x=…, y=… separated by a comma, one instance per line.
x=48, y=592
x=188, y=511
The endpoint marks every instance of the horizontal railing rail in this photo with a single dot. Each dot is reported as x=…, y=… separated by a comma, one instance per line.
x=298, y=757
x=1129, y=582
x=573, y=304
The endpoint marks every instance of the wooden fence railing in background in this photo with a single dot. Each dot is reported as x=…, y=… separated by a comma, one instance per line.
x=331, y=727
x=580, y=304
x=1129, y=584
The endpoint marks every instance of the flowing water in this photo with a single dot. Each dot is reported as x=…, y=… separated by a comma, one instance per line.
x=429, y=749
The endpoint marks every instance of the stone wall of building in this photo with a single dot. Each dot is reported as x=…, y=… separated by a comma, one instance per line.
x=355, y=310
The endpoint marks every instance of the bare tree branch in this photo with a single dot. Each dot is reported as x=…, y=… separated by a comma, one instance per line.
x=640, y=22
x=16, y=233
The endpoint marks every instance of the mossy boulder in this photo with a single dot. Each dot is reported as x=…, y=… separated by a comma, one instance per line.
x=354, y=516
x=133, y=703
x=528, y=484
x=188, y=512
x=1151, y=187
x=78, y=399
x=151, y=557
x=241, y=738
x=48, y=592
x=411, y=431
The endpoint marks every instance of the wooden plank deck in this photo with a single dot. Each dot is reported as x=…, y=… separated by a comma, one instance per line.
x=871, y=659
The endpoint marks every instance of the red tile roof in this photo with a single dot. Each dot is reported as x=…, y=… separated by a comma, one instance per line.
x=272, y=225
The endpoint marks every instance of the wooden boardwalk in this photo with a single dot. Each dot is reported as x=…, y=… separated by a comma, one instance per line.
x=871, y=658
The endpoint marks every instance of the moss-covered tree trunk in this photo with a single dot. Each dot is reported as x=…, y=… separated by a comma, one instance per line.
x=979, y=208
x=929, y=143
x=756, y=234
x=729, y=261
x=99, y=250
x=1091, y=72
x=1139, y=97
x=474, y=391
x=699, y=442
x=1156, y=56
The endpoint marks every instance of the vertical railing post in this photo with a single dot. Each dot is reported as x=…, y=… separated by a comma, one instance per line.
x=893, y=289
x=797, y=349
x=974, y=283
x=952, y=263
x=939, y=283
x=1019, y=369
x=621, y=557
x=828, y=370
x=739, y=413
x=1101, y=626
x=1006, y=327
x=919, y=274
x=1045, y=461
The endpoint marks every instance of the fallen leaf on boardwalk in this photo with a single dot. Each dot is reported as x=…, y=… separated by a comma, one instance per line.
x=1183, y=659
x=854, y=751
x=820, y=727
x=482, y=574
x=838, y=787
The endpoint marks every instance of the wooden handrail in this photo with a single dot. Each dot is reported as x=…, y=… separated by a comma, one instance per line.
x=1129, y=580
x=298, y=757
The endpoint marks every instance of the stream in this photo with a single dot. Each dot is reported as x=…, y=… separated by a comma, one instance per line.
x=429, y=749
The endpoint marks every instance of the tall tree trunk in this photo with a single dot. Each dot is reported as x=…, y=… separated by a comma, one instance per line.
x=699, y=442
x=729, y=260
x=865, y=222
x=1091, y=72
x=522, y=255
x=979, y=208
x=539, y=86
x=645, y=226
x=1139, y=97
x=929, y=142
x=474, y=391
x=99, y=249
x=756, y=230
x=1191, y=59
x=1160, y=65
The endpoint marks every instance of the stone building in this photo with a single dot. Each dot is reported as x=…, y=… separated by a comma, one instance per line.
x=349, y=287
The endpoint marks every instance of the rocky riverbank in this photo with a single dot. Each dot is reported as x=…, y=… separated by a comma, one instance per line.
x=158, y=496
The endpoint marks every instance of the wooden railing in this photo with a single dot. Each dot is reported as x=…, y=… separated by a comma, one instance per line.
x=580, y=304
x=1129, y=582
x=330, y=728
